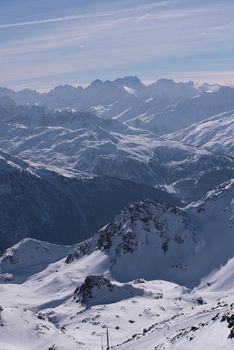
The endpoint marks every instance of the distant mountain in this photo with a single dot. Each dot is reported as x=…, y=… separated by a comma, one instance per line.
x=154, y=107
x=215, y=134
x=185, y=112
x=82, y=140
x=65, y=96
x=8, y=108
x=88, y=143
x=157, y=96
x=121, y=98
x=60, y=206
x=168, y=87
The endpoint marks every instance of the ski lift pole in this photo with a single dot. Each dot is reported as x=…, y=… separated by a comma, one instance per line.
x=107, y=339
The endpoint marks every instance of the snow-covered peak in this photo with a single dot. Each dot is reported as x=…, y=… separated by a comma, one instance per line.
x=132, y=81
x=96, y=82
x=64, y=88
x=169, y=88
x=30, y=256
x=164, y=82
x=132, y=85
x=158, y=241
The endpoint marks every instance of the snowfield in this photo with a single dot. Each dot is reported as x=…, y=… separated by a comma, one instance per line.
x=117, y=280
x=85, y=143
x=215, y=134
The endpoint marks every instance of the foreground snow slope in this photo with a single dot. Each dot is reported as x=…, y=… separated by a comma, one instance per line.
x=35, y=316
x=70, y=303
x=166, y=316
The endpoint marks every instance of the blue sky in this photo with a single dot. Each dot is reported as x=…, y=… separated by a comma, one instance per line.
x=44, y=43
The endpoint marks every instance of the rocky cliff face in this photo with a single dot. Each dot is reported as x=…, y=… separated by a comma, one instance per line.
x=100, y=290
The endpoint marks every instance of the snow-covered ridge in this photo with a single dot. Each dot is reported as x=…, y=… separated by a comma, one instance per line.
x=185, y=112
x=30, y=256
x=83, y=142
x=124, y=98
x=215, y=134
x=174, y=244
x=68, y=96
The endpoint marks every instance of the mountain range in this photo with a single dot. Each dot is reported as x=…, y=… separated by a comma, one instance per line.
x=86, y=142
x=117, y=216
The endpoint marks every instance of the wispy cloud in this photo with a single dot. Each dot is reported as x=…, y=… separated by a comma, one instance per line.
x=95, y=15
x=157, y=39
x=41, y=21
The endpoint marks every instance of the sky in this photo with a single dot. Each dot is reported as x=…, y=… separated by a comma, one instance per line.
x=44, y=43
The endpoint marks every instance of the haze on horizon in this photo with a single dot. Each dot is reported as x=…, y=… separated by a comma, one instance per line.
x=53, y=42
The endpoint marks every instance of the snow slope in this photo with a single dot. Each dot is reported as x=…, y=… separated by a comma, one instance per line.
x=179, y=245
x=71, y=302
x=88, y=143
x=186, y=112
x=221, y=279
x=30, y=256
x=215, y=134
x=131, y=276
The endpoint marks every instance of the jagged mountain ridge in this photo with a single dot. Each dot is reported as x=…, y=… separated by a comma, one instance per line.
x=105, y=96
x=179, y=245
x=128, y=99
